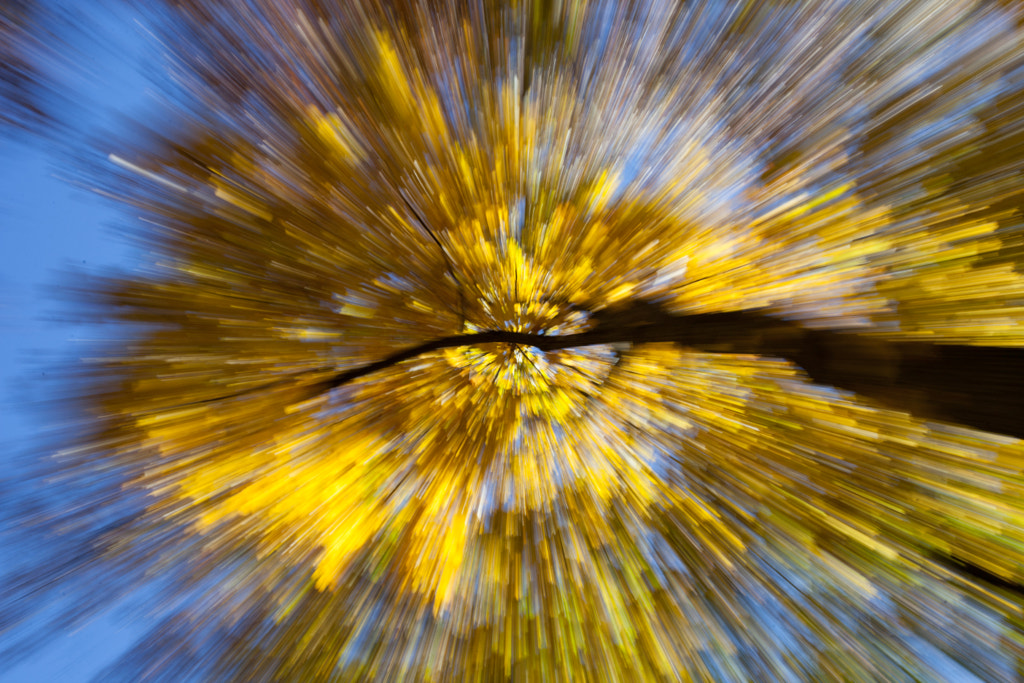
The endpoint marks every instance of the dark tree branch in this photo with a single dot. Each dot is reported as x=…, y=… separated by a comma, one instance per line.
x=977, y=573
x=444, y=254
x=975, y=386
x=979, y=387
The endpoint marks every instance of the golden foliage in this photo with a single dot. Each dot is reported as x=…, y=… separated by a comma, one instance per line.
x=359, y=178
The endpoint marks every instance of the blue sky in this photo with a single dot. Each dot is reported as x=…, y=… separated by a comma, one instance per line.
x=48, y=227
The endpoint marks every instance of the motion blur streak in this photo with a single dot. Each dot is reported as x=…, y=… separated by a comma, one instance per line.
x=340, y=430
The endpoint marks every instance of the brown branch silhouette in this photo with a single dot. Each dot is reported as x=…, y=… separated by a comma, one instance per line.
x=974, y=386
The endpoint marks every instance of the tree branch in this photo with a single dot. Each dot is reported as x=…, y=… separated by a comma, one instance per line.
x=977, y=573
x=975, y=386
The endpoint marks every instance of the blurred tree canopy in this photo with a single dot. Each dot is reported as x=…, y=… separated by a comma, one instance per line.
x=565, y=341
x=18, y=74
x=31, y=35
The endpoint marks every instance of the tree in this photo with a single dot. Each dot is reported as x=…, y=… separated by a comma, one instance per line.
x=36, y=42
x=18, y=73
x=548, y=341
